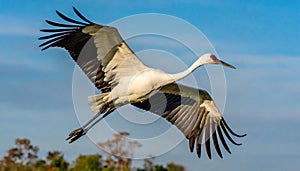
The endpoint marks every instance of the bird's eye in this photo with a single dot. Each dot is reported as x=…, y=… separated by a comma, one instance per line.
x=213, y=57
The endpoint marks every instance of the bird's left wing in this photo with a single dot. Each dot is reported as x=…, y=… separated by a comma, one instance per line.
x=194, y=113
x=99, y=50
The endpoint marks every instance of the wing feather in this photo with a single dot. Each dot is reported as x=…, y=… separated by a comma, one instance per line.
x=69, y=19
x=98, y=50
x=215, y=141
x=193, y=112
x=228, y=136
x=223, y=140
x=59, y=24
x=198, y=144
x=186, y=119
x=207, y=142
x=190, y=120
x=172, y=116
x=53, y=35
x=55, y=30
x=81, y=16
x=230, y=130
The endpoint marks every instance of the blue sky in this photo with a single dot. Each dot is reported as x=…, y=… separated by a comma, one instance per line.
x=261, y=38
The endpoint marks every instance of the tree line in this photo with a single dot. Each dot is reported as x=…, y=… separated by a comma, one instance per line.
x=119, y=151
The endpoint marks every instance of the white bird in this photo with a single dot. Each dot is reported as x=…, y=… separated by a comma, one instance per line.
x=123, y=79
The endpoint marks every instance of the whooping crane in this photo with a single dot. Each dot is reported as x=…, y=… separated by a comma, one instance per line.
x=123, y=79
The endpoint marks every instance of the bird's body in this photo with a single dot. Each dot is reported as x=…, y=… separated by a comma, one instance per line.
x=123, y=79
x=138, y=87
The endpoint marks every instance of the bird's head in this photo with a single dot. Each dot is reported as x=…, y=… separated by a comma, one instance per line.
x=210, y=58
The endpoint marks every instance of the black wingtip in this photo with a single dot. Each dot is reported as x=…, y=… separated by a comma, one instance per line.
x=64, y=17
x=227, y=135
x=81, y=16
x=75, y=9
x=199, y=150
x=44, y=48
x=216, y=144
x=57, y=12
x=230, y=130
x=207, y=142
x=53, y=35
x=54, y=30
x=223, y=140
x=192, y=144
x=198, y=145
x=60, y=24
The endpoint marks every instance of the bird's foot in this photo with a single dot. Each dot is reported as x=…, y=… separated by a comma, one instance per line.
x=74, y=135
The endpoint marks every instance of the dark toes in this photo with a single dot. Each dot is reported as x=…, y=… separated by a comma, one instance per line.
x=74, y=135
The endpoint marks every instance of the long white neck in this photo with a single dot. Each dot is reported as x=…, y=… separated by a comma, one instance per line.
x=183, y=74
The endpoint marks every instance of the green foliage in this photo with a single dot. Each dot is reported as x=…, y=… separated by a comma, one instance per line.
x=88, y=163
x=59, y=162
x=159, y=168
x=41, y=165
x=56, y=161
x=108, y=169
x=139, y=169
x=24, y=157
x=175, y=167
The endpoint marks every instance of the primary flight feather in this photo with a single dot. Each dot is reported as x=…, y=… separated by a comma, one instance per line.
x=123, y=79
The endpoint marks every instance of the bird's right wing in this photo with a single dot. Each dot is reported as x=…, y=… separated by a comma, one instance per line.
x=194, y=113
x=98, y=50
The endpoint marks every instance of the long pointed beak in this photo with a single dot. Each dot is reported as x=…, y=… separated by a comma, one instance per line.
x=226, y=64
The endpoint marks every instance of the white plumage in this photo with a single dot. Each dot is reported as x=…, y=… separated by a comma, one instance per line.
x=123, y=79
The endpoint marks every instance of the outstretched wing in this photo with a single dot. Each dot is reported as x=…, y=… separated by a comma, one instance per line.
x=194, y=113
x=98, y=50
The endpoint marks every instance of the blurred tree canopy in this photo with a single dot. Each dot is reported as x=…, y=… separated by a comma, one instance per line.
x=88, y=162
x=119, y=150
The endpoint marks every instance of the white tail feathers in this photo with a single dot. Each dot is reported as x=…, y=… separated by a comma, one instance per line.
x=100, y=102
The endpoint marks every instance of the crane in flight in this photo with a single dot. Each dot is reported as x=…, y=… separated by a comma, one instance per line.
x=122, y=78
